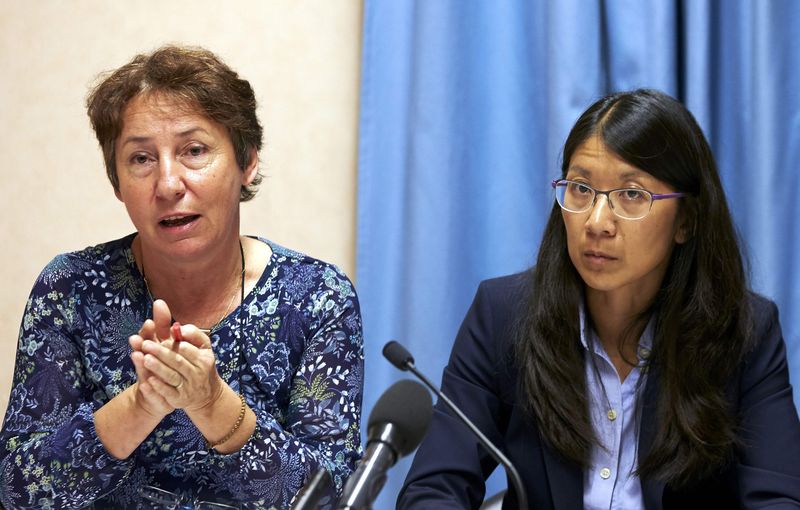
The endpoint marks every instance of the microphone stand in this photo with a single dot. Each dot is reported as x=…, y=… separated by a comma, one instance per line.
x=497, y=455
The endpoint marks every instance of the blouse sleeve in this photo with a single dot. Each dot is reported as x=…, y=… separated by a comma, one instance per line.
x=322, y=424
x=50, y=455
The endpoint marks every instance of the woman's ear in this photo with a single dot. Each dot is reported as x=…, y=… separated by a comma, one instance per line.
x=685, y=229
x=681, y=235
x=251, y=170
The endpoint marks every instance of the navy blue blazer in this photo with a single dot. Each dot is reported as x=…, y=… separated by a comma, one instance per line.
x=450, y=467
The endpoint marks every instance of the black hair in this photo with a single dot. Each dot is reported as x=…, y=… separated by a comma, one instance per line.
x=700, y=311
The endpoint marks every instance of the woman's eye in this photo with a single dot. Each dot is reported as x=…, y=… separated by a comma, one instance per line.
x=139, y=159
x=196, y=156
x=196, y=151
x=579, y=188
x=633, y=195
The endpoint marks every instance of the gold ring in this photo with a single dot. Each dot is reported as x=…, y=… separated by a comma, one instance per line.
x=178, y=386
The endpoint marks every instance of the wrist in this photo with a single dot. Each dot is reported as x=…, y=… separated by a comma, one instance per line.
x=240, y=418
x=138, y=402
x=226, y=422
x=210, y=407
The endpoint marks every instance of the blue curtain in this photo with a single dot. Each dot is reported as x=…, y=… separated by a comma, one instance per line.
x=465, y=105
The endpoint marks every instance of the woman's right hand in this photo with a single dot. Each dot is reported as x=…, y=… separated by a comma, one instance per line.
x=127, y=419
x=145, y=395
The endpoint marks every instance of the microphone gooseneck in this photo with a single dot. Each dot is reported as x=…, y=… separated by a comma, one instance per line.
x=402, y=359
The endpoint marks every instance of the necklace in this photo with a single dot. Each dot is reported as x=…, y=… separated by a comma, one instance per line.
x=227, y=308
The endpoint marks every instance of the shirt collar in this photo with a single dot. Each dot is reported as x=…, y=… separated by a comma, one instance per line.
x=645, y=346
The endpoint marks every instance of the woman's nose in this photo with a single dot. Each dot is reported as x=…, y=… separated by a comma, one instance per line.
x=602, y=220
x=170, y=179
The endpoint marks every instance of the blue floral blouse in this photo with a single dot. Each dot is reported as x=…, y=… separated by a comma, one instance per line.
x=297, y=358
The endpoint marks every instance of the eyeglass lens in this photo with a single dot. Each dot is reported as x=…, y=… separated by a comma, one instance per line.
x=628, y=203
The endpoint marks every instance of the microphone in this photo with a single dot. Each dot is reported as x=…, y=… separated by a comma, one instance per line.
x=402, y=359
x=396, y=426
x=309, y=496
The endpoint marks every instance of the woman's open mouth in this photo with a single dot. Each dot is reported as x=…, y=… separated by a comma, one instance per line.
x=178, y=221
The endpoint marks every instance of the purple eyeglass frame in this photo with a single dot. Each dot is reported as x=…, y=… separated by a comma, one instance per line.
x=653, y=196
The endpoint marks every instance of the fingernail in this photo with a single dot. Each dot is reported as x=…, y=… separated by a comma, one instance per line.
x=176, y=332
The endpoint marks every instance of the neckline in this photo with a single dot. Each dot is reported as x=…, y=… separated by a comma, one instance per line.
x=227, y=309
x=263, y=279
x=645, y=341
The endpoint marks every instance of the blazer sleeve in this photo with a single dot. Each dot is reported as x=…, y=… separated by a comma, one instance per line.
x=768, y=469
x=450, y=467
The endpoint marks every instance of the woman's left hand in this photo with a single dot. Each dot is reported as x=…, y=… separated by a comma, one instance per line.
x=184, y=373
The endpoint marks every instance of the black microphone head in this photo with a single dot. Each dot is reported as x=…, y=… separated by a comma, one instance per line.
x=397, y=355
x=408, y=406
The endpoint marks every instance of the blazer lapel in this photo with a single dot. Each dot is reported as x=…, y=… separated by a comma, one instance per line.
x=652, y=490
x=565, y=479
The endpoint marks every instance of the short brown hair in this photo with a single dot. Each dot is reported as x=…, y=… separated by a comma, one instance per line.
x=191, y=75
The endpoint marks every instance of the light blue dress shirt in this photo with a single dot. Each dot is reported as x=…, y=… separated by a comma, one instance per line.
x=610, y=481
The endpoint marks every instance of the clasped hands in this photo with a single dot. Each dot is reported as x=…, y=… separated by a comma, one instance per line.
x=173, y=374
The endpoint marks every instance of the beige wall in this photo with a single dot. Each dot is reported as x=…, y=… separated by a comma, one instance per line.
x=302, y=58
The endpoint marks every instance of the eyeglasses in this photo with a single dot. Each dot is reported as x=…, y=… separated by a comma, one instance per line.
x=154, y=498
x=627, y=203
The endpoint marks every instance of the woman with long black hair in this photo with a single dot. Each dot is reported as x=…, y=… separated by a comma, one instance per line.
x=631, y=367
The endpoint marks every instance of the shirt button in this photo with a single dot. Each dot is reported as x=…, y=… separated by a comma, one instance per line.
x=612, y=414
x=605, y=473
x=644, y=352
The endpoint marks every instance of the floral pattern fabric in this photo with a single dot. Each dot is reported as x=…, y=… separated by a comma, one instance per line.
x=293, y=349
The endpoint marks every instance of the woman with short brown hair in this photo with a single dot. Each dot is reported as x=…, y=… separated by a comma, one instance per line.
x=184, y=365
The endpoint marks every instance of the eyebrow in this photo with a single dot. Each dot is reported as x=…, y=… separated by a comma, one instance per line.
x=630, y=174
x=579, y=170
x=182, y=134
